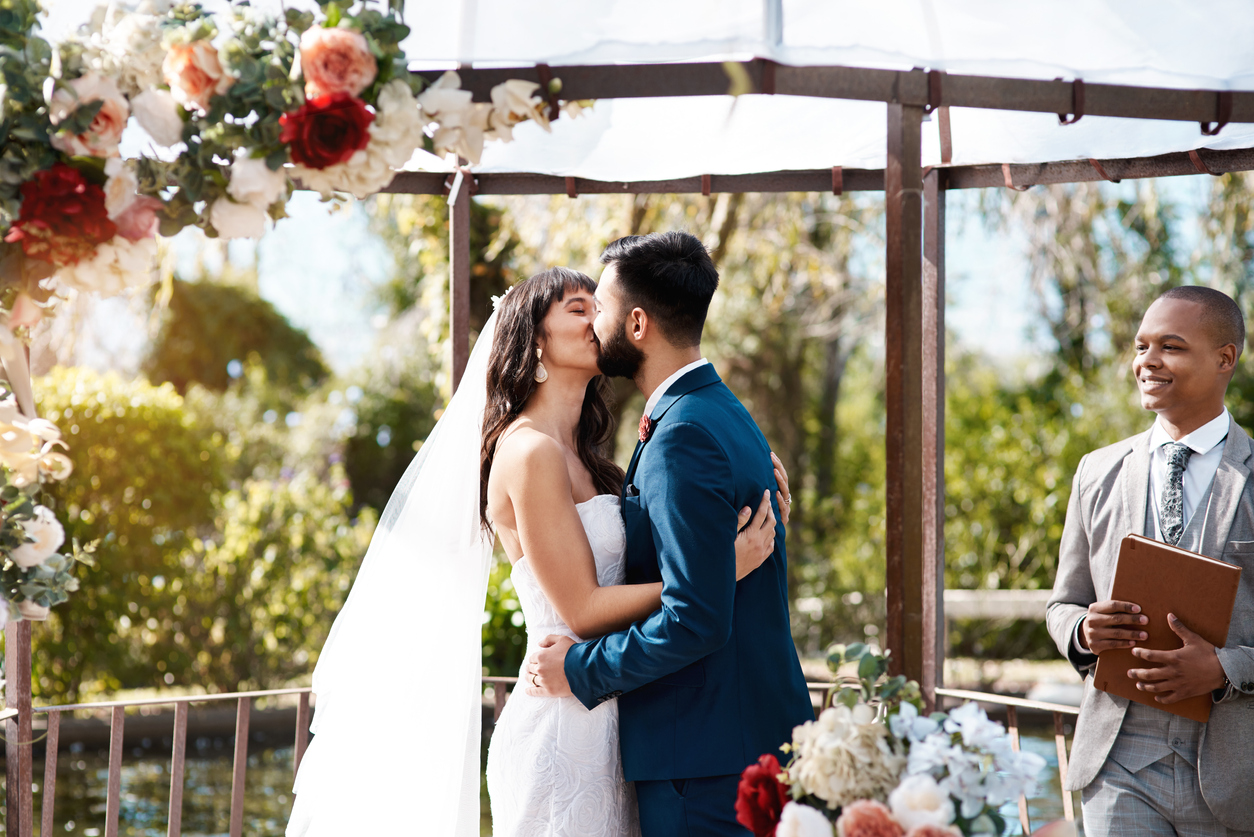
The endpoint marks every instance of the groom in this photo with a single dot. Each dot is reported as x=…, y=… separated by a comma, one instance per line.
x=711, y=681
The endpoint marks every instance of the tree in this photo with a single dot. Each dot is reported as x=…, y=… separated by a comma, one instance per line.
x=212, y=329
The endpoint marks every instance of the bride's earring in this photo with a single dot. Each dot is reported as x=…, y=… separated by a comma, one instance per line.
x=542, y=374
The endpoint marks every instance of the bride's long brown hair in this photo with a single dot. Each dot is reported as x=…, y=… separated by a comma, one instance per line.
x=511, y=380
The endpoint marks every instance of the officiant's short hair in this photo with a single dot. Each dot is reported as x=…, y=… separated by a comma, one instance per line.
x=1221, y=315
x=671, y=276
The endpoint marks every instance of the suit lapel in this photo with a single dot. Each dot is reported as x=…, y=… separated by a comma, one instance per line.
x=1136, y=484
x=1226, y=491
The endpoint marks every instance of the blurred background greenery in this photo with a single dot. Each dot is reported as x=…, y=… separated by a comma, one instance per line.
x=236, y=479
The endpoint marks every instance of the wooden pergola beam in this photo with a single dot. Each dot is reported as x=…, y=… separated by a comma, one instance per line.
x=820, y=180
x=908, y=87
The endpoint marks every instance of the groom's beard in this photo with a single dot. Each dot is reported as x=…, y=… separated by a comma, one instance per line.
x=620, y=359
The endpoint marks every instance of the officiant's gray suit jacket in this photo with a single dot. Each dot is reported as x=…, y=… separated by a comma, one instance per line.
x=1108, y=502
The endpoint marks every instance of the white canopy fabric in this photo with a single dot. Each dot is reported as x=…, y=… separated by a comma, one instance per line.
x=1167, y=43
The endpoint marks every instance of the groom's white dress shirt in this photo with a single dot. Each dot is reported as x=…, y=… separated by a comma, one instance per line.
x=665, y=385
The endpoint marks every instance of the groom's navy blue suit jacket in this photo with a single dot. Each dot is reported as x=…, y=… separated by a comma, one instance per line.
x=711, y=681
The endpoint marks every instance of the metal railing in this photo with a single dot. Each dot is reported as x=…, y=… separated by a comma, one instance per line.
x=501, y=687
x=1012, y=706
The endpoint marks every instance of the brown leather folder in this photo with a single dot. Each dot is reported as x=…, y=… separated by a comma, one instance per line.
x=1164, y=579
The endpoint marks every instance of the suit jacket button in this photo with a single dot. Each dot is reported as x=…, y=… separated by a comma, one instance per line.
x=1247, y=686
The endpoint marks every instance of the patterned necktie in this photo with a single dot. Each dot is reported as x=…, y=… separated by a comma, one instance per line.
x=1171, y=509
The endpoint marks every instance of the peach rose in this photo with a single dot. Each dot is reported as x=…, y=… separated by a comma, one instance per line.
x=867, y=818
x=195, y=74
x=105, y=131
x=26, y=312
x=335, y=61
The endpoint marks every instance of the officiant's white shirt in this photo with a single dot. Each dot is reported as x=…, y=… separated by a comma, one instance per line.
x=1207, y=445
x=665, y=385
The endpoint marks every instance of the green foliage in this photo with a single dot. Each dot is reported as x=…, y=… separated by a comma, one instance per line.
x=209, y=324
x=871, y=683
x=144, y=481
x=399, y=406
x=504, y=637
x=260, y=596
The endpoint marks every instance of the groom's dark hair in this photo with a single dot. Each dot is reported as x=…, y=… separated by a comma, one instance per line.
x=671, y=276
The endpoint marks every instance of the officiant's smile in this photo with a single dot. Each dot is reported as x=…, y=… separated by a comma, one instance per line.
x=1181, y=366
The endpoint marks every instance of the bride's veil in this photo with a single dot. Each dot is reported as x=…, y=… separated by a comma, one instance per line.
x=399, y=697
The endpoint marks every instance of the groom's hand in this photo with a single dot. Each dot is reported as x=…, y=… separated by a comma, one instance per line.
x=545, y=675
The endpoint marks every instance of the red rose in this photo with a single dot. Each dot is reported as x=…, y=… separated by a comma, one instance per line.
x=327, y=130
x=761, y=797
x=63, y=217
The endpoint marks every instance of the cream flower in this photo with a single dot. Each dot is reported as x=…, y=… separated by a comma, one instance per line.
x=844, y=756
x=157, y=112
x=461, y=123
x=46, y=536
x=237, y=220
x=798, y=820
x=919, y=800
x=25, y=313
x=118, y=265
x=514, y=101
x=253, y=182
x=195, y=74
x=124, y=43
x=102, y=136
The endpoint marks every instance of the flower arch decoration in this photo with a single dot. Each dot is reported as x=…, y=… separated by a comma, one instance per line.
x=241, y=107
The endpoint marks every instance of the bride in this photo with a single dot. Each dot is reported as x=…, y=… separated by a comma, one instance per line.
x=397, y=723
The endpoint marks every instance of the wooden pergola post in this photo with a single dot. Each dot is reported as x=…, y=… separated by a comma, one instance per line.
x=903, y=339
x=459, y=280
x=933, y=604
x=18, y=759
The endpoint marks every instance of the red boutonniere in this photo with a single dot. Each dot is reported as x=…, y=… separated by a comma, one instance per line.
x=646, y=428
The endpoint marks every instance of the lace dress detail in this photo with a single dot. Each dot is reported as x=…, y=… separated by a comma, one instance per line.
x=554, y=768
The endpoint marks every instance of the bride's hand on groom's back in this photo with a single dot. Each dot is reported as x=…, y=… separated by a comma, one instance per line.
x=756, y=539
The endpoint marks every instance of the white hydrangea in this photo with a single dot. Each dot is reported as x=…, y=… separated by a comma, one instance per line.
x=123, y=42
x=844, y=756
x=119, y=264
x=394, y=136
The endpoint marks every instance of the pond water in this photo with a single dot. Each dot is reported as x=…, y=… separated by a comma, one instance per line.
x=82, y=779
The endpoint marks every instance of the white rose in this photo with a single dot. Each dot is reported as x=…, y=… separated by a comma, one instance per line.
x=47, y=535
x=254, y=183
x=120, y=186
x=802, y=821
x=514, y=101
x=158, y=113
x=119, y=264
x=918, y=800
x=237, y=220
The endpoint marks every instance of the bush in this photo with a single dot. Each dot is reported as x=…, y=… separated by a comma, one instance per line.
x=144, y=482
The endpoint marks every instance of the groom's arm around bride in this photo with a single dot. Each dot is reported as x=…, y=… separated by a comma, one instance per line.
x=711, y=680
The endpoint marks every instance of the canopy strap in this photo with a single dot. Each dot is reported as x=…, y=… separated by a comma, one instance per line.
x=546, y=84
x=934, y=90
x=768, y=77
x=838, y=180
x=571, y=191
x=705, y=185
x=1077, y=103
x=1005, y=173
x=1102, y=171
x=1200, y=165
x=1225, y=113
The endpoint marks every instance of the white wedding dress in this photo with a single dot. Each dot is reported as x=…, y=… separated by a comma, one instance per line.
x=554, y=768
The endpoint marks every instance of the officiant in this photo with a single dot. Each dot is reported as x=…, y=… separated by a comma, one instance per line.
x=1185, y=481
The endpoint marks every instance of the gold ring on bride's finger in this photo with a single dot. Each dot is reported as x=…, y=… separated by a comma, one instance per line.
x=533, y=680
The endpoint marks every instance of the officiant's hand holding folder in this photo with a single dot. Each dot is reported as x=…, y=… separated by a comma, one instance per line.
x=1164, y=579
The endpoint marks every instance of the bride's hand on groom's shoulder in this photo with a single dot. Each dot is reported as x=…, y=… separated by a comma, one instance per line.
x=783, y=496
x=545, y=674
x=755, y=541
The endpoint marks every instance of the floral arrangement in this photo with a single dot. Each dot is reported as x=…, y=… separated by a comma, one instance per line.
x=872, y=766
x=35, y=573
x=240, y=108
